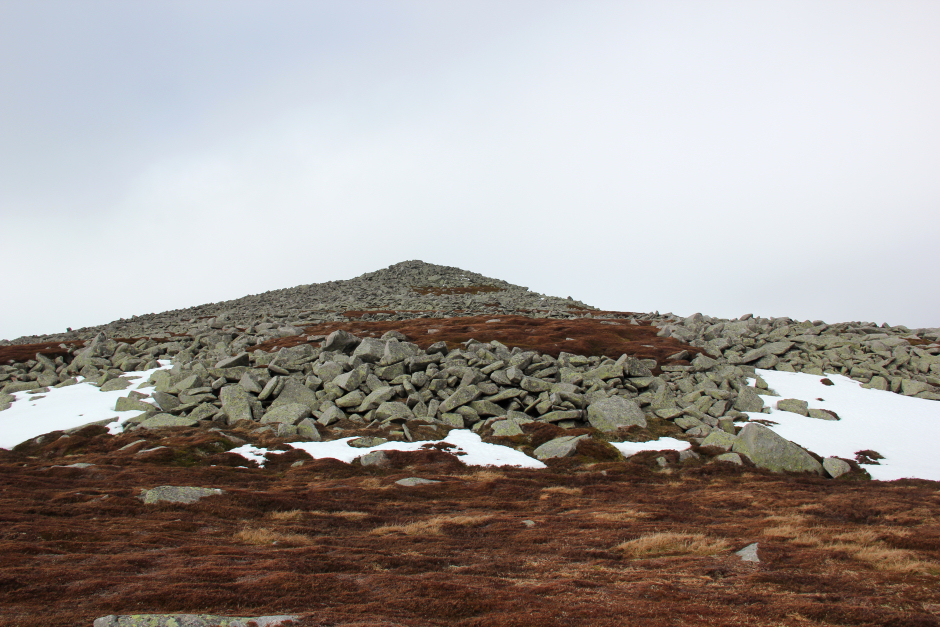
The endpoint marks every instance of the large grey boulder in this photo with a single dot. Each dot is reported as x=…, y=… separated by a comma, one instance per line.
x=389, y=411
x=176, y=494
x=836, y=467
x=235, y=403
x=771, y=451
x=564, y=446
x=295, y=392
x=615, y=412
x=192, y=620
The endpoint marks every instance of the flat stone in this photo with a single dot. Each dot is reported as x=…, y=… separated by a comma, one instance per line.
x=132, y=404
x=748, y=400
x=366, y=442
x=166, y=420
x=175, y=494
x=379, y=459
x=793, y=405
x=505, y=428
x=732, y=458
x=461, y=397
x=615, y=412
x=411, y=482
x=118, y=383
x=376, y=398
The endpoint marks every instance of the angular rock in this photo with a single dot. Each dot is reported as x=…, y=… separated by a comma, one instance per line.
x=295, y=392
x=370, y=350
x=349, y=381
x=339, y=341
x=719, y=439
x=376, y=398
x=794, y=405
x=288, y=413
x=193, y=620
x=379, y=459
x=836, y=467
x=462, y=396
x=506, y=428
x=613, y=413
x=769, y=450
x=411, y=482
x=166, y=420
x=748, y=400
x=242, y=359
x=733, y=458
x=119, y=383
x=236, y=403
x=132, y=404
x=388, y=411
x=564, y=446
x=366, y=442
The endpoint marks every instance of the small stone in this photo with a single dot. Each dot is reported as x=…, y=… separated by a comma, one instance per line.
x=836, y=467
x=366, y=442
x=411, y=482
x=176, y=494
x=794, y=405
x=379, y=459
x=748, y=553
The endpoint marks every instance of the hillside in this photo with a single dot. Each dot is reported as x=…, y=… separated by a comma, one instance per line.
x=425, y=445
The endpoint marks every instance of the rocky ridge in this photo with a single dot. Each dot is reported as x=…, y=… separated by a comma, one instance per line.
x=564, y=405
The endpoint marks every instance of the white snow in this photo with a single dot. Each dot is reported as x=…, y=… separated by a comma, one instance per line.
x=662, y=444
x=65, y=408
x=255, y=454
x=468, y=447
x=905, y=430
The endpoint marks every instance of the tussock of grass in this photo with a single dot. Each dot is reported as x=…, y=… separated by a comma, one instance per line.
x=430, y=527
x=261, y=535
x=558, y=491
x=294, y=514
x=626, y=515
x=670, y=543
x=346, y=515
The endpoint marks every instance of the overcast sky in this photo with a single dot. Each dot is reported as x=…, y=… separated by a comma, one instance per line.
x=774, y=158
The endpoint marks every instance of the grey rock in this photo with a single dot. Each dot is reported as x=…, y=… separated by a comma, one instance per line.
x=748, y=400
x=20, y=386
x=719, y=439
x=411, y=482
x=748, y=553
x=769, y=450
x=132, y=404
x=330, y=415
x=370, y=350
x=119, y=383
x=613, y=413
x=376, y=398
x=461, y=397
x=166, y=420
x=242, y=359
x=506, y=428
x=564, y=446
x=396, y=351
x=366, y=442
x=379, y=459
x=452, y=420
x=836, y=467
x=793, y=405
x=295, y=392
x=732, y=458
x=251, y=383
x=536, y=386
x=288, y=413
x=389, y=411
x=339, y=341
x=822, y=414
x=235, y=403
x=176, y=494
x=307, y=429
x=349, y=380
x=353, y=399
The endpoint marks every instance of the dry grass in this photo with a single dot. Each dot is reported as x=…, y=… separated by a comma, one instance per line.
x=294, y=514
x=263, y=536
x=371, y=483
x=671, y=543
x=626, y=515
x=432, y=526
x=558, y=490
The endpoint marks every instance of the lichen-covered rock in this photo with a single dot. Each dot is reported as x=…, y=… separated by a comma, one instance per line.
x=613, y=413
x=176, y=494
x=771, y=451
x=564, y=446
x=167, y=420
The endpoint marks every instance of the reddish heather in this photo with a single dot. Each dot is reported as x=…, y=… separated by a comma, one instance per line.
x=344, y=545
x=581, y=336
